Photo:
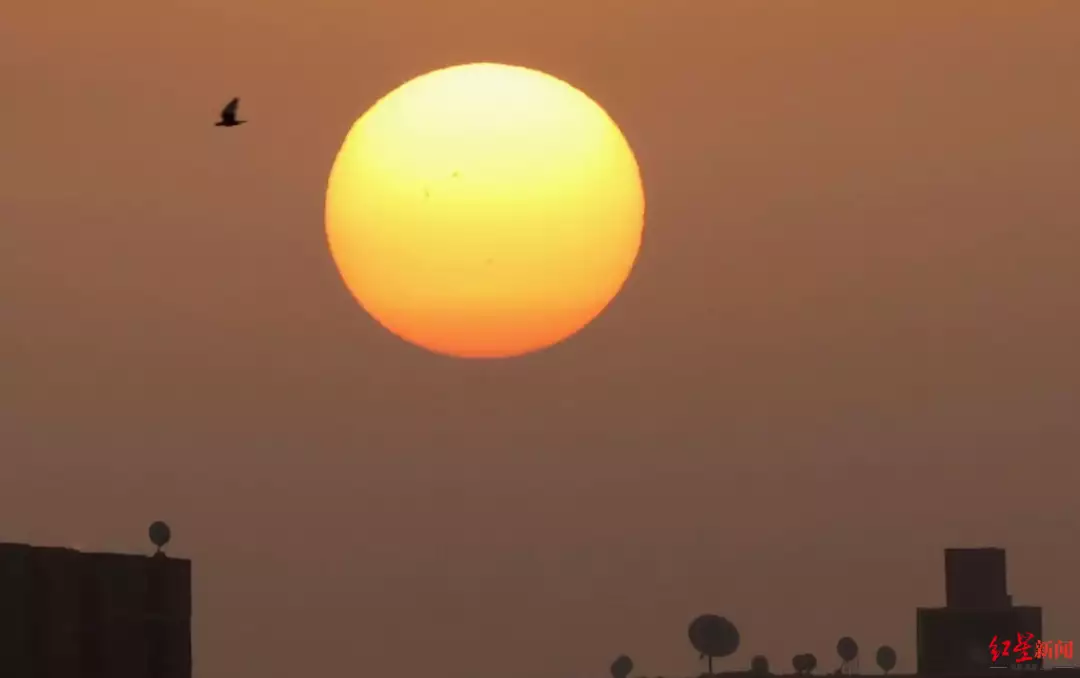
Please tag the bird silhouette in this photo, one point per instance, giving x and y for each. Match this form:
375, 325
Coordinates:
228, 115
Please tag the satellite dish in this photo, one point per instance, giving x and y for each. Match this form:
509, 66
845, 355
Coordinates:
800, 663
160, 534
713, 636
886, 658
848, 650
622, 666
759, 665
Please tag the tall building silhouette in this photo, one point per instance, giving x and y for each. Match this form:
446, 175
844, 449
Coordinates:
68, 614
978, 608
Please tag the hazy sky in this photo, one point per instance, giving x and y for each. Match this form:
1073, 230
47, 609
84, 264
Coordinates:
849, 341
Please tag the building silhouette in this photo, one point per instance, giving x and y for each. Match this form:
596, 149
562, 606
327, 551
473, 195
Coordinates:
68, 614
957, 638
954, 641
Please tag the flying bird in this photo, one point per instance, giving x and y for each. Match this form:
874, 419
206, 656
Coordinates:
228, 115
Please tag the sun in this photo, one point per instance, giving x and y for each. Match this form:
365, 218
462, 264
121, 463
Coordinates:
485, 211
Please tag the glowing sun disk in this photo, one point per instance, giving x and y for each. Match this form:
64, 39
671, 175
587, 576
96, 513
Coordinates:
484, 210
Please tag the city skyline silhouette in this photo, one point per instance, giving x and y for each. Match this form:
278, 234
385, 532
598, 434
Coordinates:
71, 614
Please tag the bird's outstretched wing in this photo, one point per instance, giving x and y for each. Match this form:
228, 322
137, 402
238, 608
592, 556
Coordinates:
229, 112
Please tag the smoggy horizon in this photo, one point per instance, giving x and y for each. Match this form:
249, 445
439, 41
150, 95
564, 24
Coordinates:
847, 342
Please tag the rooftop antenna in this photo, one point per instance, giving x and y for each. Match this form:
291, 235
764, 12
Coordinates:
160, 535
848, 650
886, 659
759, 666
798, 662
622, 666
713, 636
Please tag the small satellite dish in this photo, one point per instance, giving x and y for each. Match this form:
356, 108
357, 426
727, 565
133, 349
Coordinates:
160, 534
800, 664
713, 636
886, 658
622, 666
848, 650
759, 665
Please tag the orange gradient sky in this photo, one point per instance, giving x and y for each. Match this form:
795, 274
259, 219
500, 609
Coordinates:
849, 339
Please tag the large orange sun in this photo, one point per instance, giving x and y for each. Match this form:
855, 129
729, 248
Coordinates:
485, 210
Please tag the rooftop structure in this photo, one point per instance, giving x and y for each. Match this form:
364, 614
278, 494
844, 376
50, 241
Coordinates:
69, 614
